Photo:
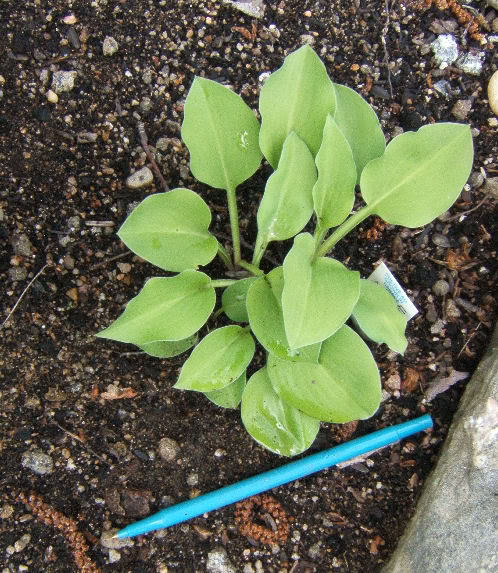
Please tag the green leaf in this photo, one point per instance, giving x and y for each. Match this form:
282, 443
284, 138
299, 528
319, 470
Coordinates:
273, 423
297, 97
318, 295
287, 202
229, 396
218, 360
170, 308
420, 175
169, 348
343, 386
233, 300
266, 319
360, 126
378, 316
221, 133
170, 230
333, 193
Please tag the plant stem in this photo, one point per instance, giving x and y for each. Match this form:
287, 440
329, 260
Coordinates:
234, 223
344, 229
253, 269
221, 283
259, 250
319, 234
225, 257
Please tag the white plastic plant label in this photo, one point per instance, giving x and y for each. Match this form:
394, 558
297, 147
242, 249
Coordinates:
383, 276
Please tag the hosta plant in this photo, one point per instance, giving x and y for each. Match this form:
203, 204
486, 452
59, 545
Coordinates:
324, 142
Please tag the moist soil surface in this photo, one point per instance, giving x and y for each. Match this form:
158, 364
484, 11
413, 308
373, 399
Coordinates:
98, 410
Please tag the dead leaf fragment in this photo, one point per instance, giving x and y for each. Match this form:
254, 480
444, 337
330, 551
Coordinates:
439, 385
115, 393
374, 544
411, 380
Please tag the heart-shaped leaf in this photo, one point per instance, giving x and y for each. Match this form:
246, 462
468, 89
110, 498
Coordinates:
233, 300
168, 348
266, 319
229, 396
343, 386
333, 193
170, 308
420, 175
273, 423
318, 295
287, 202
218, 360
377, 315
170, 230
297, 97
360, 126
221, 133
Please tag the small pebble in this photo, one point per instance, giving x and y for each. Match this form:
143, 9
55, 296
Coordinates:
6, 511
70, 19
441, 288
476, 180
445, 50
452, 311
21, 245
470, 63
109, 46
491, 187
493, 93
63, 81
38, 462
22, 543
114, 556
218, 562
108, 540
254, 8
168, 449
441, 240
52, 97
139, 179
17, 274
461, 109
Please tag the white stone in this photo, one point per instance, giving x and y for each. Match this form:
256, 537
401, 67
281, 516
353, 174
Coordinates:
141, 178
109, 46
445, 50
254, 8
108, 540
70, 19
63, 81
493, 93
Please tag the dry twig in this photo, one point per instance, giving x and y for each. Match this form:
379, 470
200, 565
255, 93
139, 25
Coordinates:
145, 144
22, 295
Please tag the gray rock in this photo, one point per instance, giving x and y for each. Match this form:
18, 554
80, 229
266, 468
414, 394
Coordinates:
22, 245
443, 87
441, 240
492, 3
109, 46
461, 109
470, 63
476, 180
17, 274
254, 8
491, 187
445, 50
63, 81
141, 178
38, 462
441, 288
168, 449
454, 526
218, 562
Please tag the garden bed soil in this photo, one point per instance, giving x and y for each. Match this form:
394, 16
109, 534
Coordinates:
98, 409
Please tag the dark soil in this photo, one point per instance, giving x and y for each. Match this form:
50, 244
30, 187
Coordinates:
54, 187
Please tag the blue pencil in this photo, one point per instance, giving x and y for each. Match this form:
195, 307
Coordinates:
273, 478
